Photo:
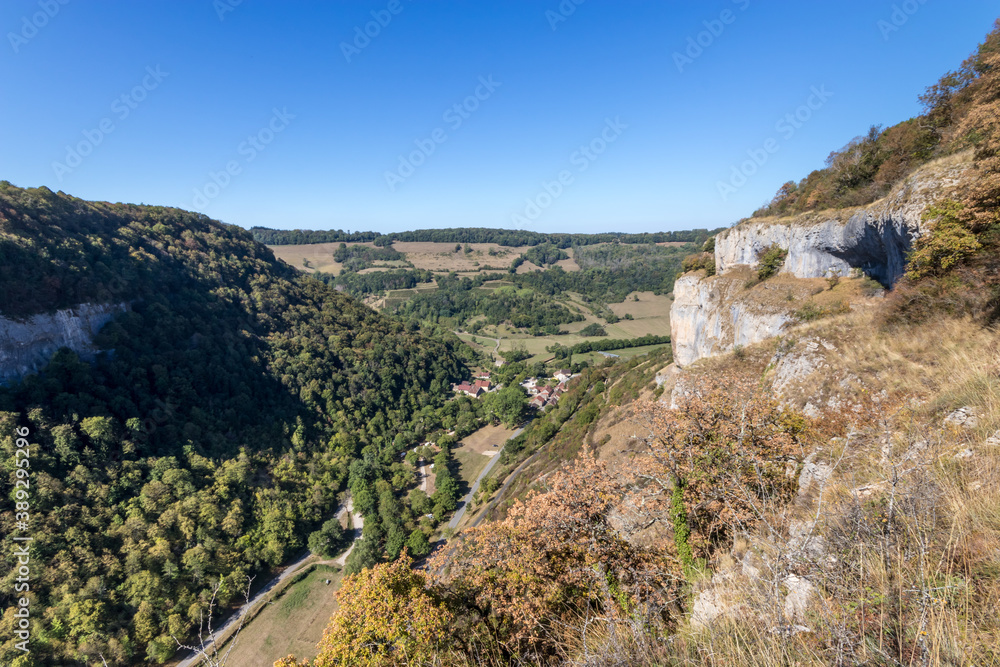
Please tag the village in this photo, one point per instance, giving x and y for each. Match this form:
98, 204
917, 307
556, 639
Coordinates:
542, 392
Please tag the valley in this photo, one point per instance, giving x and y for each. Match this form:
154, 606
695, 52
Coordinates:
770, 442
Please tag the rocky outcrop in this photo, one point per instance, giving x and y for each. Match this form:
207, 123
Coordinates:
26, 346
875, 243
711, 316
874, 239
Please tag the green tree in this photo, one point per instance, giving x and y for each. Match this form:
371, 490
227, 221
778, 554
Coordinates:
328, 540
507, 406
387, 616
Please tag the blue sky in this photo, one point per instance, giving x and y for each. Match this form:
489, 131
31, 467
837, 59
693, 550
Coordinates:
256, 113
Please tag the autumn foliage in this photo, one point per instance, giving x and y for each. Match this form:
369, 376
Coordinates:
590, 549
562, 555
387, 616
724, 453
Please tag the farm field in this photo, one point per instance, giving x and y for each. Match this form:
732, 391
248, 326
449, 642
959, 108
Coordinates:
470, 454
292, 623
442, 258
319, 256
651, 313
437, 257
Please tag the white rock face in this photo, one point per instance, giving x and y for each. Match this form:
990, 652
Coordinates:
963, 417
874, 243
25, 347
713, 316
874, 238
801, 593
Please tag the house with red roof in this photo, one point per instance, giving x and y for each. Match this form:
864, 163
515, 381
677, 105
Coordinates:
468, 389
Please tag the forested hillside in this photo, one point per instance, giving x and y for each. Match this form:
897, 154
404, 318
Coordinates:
503, 237
213, 433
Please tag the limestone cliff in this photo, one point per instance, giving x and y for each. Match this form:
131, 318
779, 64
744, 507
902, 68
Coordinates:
713, 315
710, 316
874, 239
26, 346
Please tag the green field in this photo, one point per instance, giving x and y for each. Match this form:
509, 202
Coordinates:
651, 315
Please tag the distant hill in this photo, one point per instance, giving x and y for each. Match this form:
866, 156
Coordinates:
503, 237
211, 434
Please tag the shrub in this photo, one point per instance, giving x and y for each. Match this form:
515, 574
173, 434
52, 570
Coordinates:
770, 262
699, 261
810, 311
949, 242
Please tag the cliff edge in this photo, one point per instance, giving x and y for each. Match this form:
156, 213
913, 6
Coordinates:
712, 315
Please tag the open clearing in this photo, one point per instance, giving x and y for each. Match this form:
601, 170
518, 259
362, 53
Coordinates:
469, 454
437, 257
488, 438
292, 623
651, 315
319, 256
441, 257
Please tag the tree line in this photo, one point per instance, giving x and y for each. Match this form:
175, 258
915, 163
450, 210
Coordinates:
501, 237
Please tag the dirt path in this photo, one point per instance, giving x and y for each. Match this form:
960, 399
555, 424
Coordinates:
496, 350
358, 523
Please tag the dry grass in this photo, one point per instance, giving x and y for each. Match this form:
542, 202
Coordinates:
319, 255
442, 258
292, 623
909, 521
487, 439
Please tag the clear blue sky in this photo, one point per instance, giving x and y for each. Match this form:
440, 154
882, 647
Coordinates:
221, 80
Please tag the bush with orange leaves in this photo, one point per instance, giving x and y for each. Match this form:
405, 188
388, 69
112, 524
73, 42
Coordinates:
558, 561
387, 616
719, 460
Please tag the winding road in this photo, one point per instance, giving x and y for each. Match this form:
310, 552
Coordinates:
496, 350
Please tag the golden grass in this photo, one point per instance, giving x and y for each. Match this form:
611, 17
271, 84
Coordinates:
911, 572
292, 623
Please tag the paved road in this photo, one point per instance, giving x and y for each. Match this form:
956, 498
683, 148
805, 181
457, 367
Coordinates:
231, 624
475, 485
